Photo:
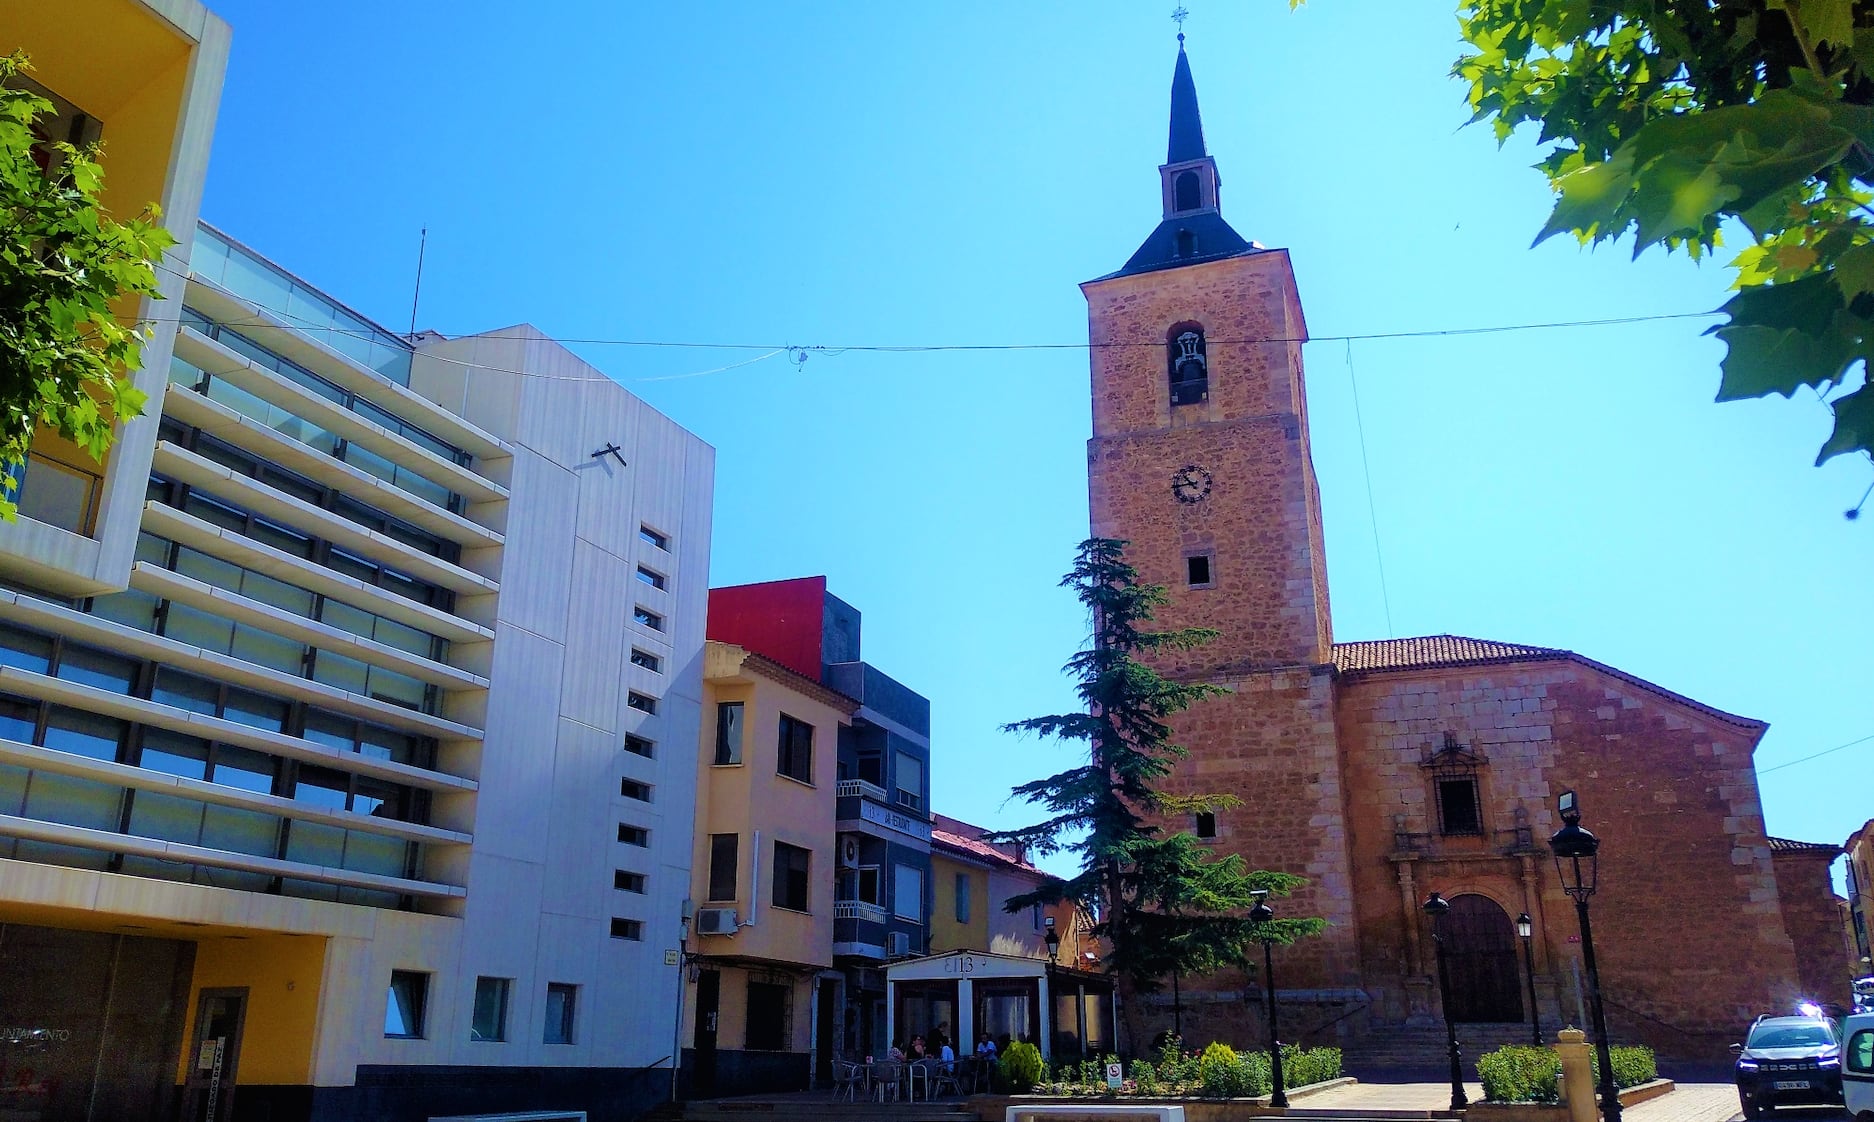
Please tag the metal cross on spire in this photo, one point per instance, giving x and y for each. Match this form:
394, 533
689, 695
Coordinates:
1178, 15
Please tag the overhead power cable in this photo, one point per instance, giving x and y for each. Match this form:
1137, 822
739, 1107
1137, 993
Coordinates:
1762, 771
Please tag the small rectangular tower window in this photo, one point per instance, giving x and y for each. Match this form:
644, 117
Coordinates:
634, 835
632, 789
648, 618
1206, 824
628, 882
632, 929
1197, 571
647, 660
653, 537
640, 746
643, 703
651, 577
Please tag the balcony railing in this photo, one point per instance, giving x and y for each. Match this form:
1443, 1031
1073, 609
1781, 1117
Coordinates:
859, 788
858, 909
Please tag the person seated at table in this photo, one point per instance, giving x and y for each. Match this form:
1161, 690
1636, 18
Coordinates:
918, 1051
946, 1053
986, 1047
898, 1053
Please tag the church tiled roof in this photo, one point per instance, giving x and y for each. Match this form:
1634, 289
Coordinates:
1433, 650
1791, 845
1425, 652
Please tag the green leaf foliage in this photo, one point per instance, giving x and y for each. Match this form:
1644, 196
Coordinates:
1020, 1066
1521, 1073
1675, 122
1164, 905
67, 272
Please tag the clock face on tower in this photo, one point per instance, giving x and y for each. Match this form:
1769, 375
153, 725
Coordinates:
1190, 484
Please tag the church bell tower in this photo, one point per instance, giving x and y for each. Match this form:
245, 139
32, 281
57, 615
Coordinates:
1200, 459
1200, 454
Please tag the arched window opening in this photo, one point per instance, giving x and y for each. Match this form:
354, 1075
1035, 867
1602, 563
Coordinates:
1188, 365
1187, 244
1185, 192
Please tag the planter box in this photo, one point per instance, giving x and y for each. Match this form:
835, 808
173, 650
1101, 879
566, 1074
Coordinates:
994, 1108
1557, 1112
1642, 1092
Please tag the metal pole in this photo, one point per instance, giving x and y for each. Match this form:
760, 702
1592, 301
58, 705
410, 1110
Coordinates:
1610, 1095
1279, 1097
1535, 1021
1459, 1100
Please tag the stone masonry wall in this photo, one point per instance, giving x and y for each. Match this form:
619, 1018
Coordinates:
1813, 915
1688, 929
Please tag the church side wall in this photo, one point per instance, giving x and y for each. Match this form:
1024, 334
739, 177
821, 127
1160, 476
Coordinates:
1813, 914
1688, 929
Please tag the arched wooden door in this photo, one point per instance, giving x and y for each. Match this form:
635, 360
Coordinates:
1480, 955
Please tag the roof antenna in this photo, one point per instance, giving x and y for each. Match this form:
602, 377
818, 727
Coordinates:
1178, 16
418, 294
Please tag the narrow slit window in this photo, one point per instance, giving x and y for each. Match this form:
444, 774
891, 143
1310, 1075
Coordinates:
648, 618
661, 541
1197, 571
1206, 824
642, 702
647, 660
632, 789
631, 929
651, 577
634, 835
1188, 365
640, 746
628, 882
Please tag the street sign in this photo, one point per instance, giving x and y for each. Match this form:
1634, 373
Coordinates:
670, 958
1115, 1075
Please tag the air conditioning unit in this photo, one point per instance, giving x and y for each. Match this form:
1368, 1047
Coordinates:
849, 852
715, 921
898, 944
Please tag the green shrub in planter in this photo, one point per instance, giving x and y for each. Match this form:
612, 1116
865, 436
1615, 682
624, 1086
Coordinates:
1256, 1078
1632, 1066
1302, 1066
1021, 1066
1145, 1077
1221, 1073
1520, 1073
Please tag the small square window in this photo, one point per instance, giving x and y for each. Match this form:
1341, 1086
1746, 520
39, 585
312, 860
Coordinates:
651, 577
490, 1019
404, 1007
640, 746
561, 999
627, 929
642, 702
628, 882
647, 660
634, 835
648, 618
1197, 570
653, 537
1206, 824
632, 789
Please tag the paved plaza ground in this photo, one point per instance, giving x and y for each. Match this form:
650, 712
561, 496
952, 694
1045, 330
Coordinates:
1689, 1102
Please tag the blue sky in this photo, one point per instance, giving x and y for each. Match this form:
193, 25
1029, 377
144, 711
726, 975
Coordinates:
846, 174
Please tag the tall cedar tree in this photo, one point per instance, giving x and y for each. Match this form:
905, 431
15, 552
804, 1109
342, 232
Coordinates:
1163, 905
66, 269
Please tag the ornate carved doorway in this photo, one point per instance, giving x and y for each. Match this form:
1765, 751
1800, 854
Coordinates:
1480, 953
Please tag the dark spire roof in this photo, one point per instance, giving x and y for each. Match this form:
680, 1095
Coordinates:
1187, 128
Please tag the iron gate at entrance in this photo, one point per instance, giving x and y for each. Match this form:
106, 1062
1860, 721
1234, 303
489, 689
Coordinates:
1480, 954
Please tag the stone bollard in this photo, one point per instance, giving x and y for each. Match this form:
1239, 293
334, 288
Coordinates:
1571, 1044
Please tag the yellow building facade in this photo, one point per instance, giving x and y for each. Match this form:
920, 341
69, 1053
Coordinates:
760, 985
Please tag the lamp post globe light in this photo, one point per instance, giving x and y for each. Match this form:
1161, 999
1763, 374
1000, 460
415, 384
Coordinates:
1261, 914
1525, 930
1577, 865
1053, 940
1437, 907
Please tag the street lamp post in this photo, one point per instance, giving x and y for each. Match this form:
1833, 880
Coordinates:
1526, 930
1053, 939
1577, 865
1260, 914
1437, 907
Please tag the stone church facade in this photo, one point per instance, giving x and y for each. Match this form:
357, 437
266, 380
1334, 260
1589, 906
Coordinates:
1385, 770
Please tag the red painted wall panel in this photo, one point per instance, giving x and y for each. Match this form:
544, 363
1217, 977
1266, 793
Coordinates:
781, 619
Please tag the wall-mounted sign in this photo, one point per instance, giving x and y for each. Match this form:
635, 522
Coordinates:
877, 815
961, 964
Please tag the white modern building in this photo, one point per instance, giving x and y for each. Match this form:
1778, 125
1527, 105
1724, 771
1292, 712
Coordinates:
364, 786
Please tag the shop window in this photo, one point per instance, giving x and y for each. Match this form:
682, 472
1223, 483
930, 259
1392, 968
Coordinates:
404, 1008
770, 1016
490, 1019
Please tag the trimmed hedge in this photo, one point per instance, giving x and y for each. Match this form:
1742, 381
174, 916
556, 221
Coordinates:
1021, 1066
1218, 1072
1522, 1073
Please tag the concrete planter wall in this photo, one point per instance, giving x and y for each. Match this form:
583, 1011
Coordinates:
994, 1108
1557, 1112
